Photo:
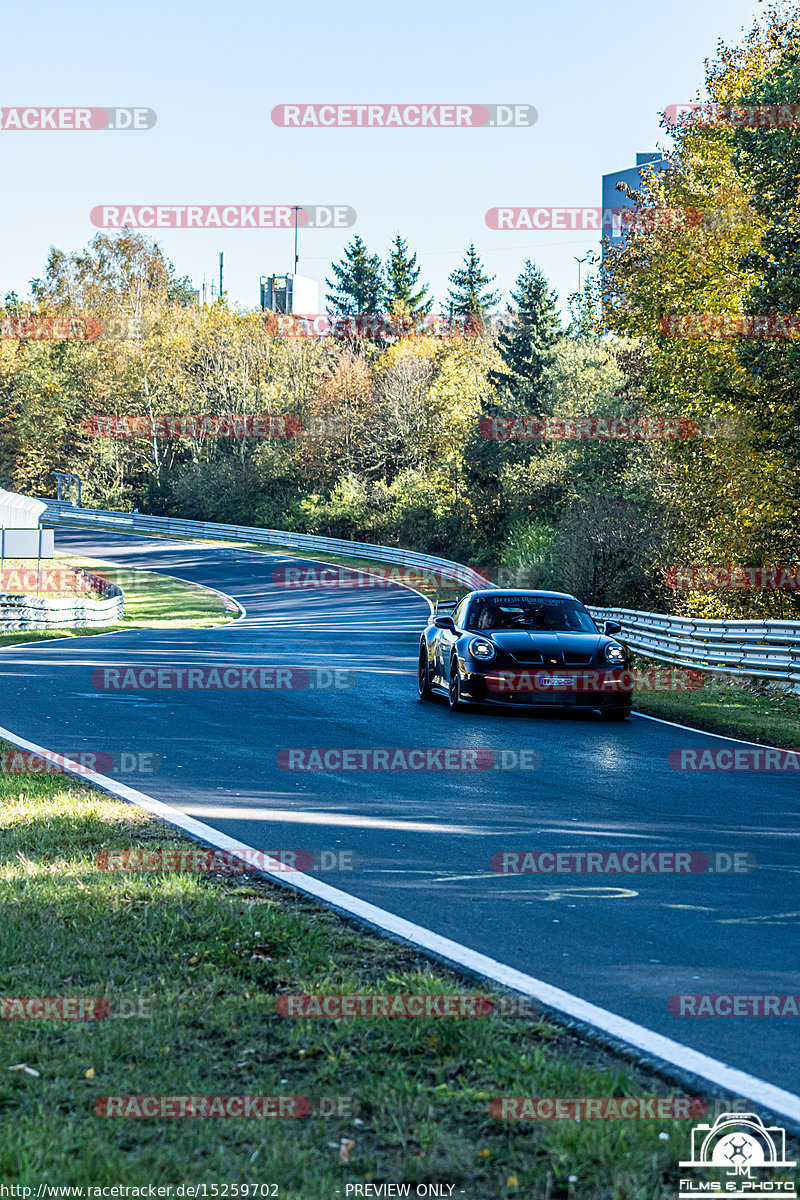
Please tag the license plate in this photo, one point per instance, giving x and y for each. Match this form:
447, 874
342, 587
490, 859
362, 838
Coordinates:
555, 681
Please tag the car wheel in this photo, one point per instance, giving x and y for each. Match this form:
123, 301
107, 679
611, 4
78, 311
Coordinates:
423, 678
615, 714
454, 687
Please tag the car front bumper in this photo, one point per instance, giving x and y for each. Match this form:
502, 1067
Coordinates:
557, 688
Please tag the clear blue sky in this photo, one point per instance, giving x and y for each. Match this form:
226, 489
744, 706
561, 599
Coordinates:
598, 74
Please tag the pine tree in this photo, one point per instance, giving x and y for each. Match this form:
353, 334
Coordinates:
469, 296
526, 346
358, 284
402, 274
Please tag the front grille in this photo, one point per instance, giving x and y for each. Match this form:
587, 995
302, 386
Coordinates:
577, 660
528, 658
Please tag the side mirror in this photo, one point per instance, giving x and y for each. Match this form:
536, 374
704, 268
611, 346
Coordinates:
445, 623
613, 627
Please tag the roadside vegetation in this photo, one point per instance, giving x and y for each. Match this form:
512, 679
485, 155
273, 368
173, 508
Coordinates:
411, 437
191, 966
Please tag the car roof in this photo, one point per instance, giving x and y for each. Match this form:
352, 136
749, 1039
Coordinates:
532, 592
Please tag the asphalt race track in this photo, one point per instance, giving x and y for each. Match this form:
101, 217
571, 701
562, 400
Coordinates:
425, 839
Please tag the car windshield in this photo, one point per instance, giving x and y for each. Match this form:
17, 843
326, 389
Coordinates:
531, 613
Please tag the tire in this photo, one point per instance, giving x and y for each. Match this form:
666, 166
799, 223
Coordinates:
423, 676
615, 714
454, 688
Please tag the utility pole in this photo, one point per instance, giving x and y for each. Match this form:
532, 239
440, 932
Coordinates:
578, 261
220, 274
295, 209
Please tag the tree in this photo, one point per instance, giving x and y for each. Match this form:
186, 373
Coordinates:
732, 497
526, 347
468, 295
358, 285
402, 274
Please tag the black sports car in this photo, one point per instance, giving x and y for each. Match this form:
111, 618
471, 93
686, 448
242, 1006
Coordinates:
525, 648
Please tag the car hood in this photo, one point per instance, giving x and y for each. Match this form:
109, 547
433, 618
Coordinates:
546, 646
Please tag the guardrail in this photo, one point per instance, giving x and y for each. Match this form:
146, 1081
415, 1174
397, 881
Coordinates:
761, 649
764, 649
21, 610
60, 512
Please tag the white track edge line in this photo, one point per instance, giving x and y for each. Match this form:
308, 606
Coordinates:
739, 1083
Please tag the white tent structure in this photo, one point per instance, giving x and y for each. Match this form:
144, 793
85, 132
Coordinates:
20, 535
20, 512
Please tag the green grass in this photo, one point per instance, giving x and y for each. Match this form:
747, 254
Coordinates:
206, 957
152, 601
738, 708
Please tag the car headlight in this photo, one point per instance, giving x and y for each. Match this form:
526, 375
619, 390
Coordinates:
615, 654
481, 649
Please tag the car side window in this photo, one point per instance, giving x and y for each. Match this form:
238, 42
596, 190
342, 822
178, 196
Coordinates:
458, 615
